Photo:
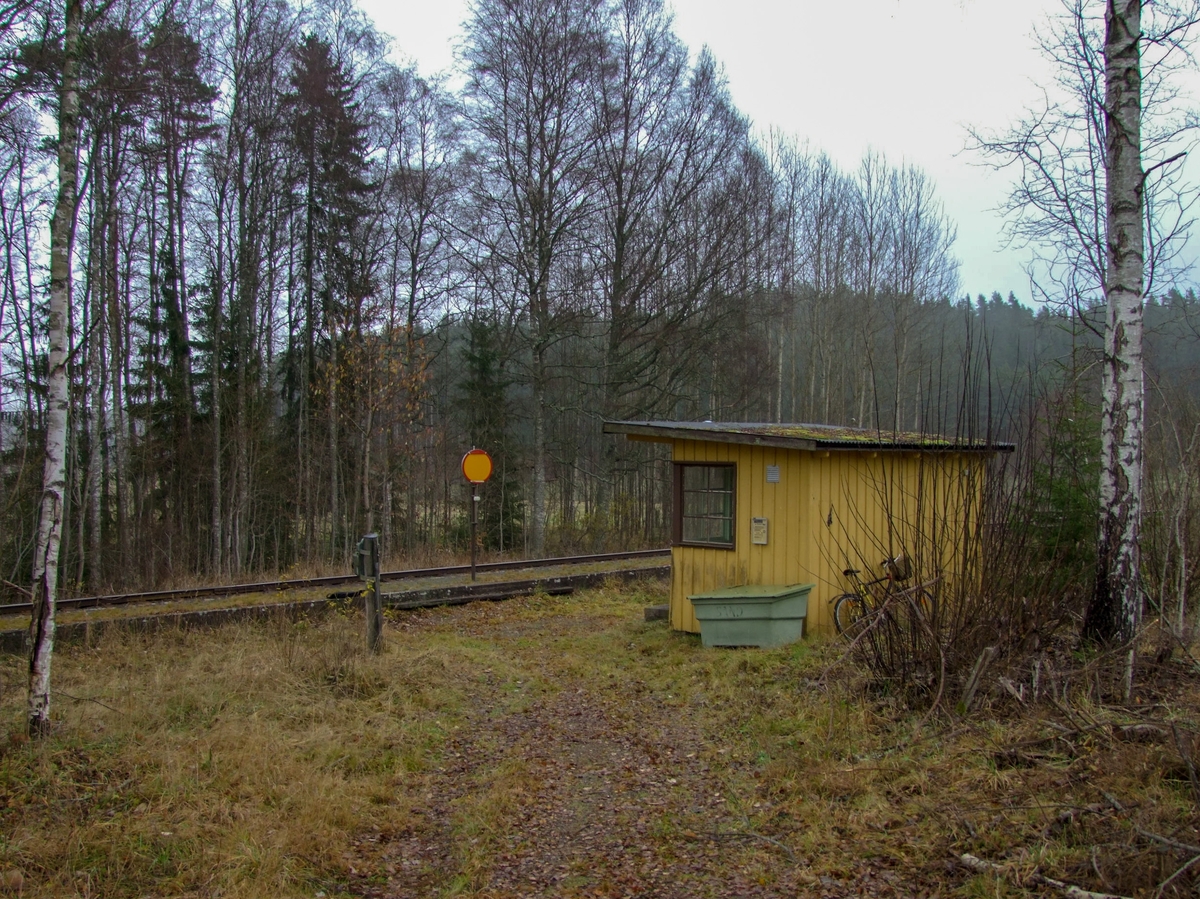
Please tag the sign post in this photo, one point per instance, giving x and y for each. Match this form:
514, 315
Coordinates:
476, 468
366, 566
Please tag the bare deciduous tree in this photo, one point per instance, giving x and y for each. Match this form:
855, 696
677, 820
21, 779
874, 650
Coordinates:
1106, 225
50, 525
1116, 605
532, 102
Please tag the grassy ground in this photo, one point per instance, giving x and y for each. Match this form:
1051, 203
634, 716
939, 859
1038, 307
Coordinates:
566, 747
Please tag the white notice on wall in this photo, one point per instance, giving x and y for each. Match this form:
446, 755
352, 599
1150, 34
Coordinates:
758, 531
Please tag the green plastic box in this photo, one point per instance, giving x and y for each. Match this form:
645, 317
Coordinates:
752, 615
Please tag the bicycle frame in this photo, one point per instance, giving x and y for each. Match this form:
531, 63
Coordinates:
864, 588
873, 596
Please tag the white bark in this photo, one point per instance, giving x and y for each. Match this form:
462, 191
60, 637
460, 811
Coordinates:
50, 525
1115, 609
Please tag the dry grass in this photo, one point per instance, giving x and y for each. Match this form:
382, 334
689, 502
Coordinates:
563, 746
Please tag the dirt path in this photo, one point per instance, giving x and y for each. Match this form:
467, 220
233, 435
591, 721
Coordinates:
590, 801
567, 786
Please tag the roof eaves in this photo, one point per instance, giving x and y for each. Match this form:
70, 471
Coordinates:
667, 432
663, 433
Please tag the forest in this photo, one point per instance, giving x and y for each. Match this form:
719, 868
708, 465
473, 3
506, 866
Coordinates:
307, 279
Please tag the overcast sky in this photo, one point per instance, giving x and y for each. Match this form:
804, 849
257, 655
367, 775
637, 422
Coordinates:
905, 77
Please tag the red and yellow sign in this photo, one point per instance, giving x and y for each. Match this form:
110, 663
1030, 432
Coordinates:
477, 466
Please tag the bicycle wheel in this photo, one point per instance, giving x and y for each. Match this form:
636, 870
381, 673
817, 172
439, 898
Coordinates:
848, 611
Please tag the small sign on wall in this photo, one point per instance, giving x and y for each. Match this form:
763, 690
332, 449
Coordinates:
758, 531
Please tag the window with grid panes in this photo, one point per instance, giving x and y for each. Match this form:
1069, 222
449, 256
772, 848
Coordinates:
704, 501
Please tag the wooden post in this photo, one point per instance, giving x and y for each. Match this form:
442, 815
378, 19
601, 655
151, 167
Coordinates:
374, 616
368, 569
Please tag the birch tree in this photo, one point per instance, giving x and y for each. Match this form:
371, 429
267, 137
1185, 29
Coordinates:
1116, 604
668, 134
1099, 197
50, 524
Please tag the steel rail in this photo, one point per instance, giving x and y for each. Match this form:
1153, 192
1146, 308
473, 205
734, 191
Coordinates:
120, 599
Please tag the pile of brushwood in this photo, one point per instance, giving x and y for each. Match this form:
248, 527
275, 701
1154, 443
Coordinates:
983, 635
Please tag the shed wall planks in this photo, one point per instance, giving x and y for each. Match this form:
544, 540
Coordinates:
830, 510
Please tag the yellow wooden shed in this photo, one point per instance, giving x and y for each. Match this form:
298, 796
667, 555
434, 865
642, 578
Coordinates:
778, 504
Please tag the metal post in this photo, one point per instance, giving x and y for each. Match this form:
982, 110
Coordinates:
474, 522
476, 468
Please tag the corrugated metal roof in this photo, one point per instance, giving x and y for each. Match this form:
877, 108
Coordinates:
799, 436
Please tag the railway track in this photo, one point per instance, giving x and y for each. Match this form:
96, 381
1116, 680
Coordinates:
157, 596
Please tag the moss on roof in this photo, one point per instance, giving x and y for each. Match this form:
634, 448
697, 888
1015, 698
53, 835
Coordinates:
828, 433
800, 433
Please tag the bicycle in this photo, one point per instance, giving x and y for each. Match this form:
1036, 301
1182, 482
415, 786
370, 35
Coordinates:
852, 612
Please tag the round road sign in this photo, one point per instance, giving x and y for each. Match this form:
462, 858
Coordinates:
477, 466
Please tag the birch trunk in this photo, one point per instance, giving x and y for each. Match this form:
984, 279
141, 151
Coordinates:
50, 524
1115, 609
